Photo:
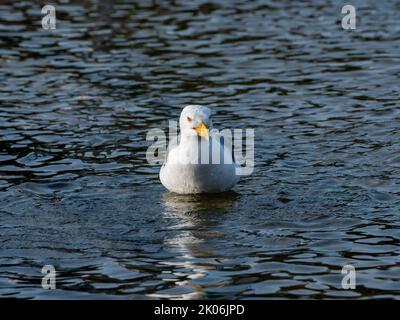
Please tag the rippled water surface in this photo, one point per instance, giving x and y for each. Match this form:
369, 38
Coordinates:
76, 191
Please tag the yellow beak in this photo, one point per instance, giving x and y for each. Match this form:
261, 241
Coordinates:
202, 130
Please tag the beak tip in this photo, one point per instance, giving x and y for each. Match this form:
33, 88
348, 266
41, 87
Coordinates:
202, 131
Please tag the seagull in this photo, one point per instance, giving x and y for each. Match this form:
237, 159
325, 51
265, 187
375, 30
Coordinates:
202, 162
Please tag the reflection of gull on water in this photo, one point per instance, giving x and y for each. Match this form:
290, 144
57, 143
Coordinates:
197, 220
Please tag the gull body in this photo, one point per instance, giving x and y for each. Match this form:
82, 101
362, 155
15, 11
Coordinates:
200, 163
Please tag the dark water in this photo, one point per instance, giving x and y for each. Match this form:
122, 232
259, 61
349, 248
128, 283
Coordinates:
76, 190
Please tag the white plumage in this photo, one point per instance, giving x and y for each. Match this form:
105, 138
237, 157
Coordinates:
192, 166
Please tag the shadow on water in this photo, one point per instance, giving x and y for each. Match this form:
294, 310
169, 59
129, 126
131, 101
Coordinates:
189, 206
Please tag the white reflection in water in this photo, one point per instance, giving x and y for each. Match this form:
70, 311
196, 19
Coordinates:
198, 218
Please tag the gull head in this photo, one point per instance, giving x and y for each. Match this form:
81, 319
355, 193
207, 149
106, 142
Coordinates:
195, 121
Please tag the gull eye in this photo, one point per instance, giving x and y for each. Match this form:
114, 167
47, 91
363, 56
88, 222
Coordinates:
189, 119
